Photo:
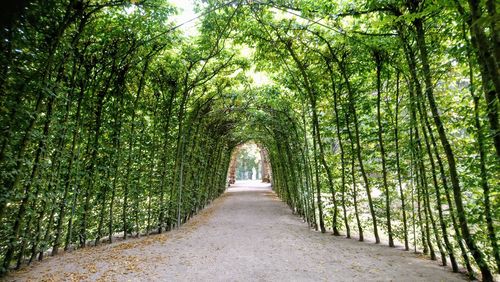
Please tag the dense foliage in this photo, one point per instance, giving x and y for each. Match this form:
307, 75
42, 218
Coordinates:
380, 120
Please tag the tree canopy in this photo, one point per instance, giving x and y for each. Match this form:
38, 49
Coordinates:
380, 119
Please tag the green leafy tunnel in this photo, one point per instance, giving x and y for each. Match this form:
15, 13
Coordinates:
380, 119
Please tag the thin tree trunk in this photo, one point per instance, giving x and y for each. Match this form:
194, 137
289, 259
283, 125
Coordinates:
342, 153
92, 164
27, 188
481, 149
67, 176
379, 62
353, 176
423, 237
398, 166
318, 185
488, 56
457, 192
116, 157
47, 232
327, 170
352, 108
449, 247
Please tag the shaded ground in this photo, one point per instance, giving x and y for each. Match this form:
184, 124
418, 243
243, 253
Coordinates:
246, 235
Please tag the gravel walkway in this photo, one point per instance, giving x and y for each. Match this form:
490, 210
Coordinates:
248, 234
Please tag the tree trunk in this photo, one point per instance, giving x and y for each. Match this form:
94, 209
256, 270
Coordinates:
27, 188
342, 153
353, 176
398, 166
379, 62
352, 109
471, 244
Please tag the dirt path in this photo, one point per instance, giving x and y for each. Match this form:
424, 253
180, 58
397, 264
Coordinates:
246, 235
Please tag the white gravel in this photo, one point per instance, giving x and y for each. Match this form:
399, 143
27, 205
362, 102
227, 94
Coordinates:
248, 234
